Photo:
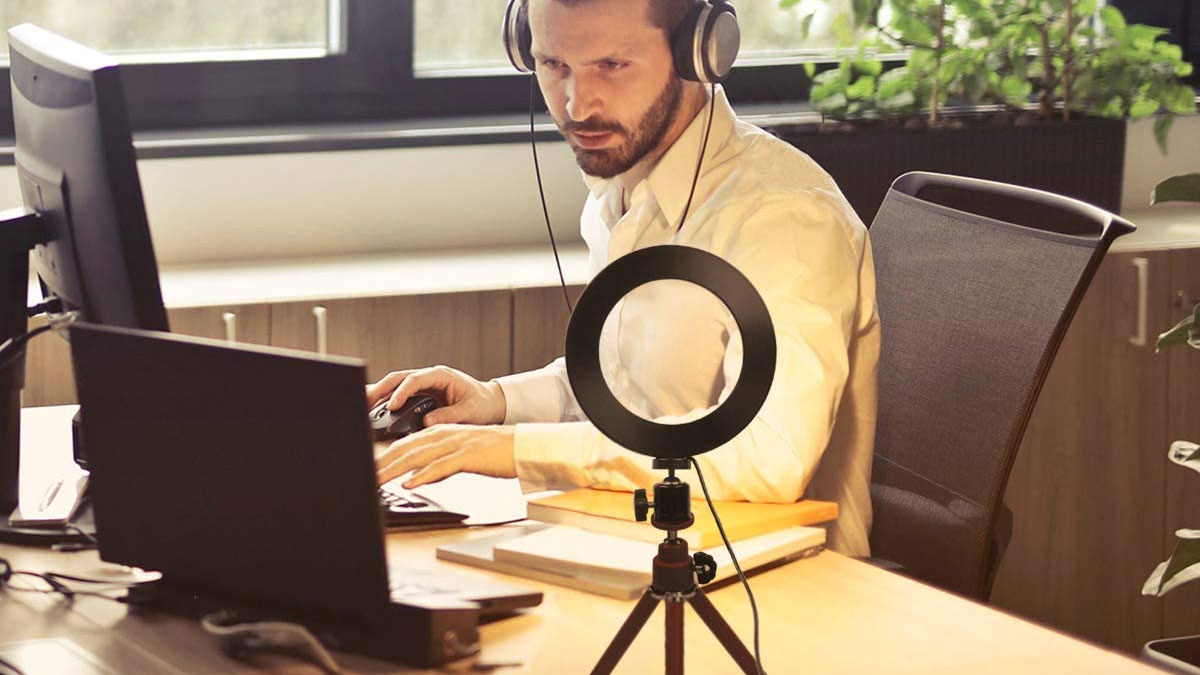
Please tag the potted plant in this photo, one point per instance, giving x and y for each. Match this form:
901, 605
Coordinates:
1034, 93
1183, 566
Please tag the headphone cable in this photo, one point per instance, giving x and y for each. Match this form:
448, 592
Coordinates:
712, 99
741, 575
541, 192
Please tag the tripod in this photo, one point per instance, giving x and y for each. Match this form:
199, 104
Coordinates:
674, 581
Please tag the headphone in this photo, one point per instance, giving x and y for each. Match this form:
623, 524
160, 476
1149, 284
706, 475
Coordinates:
704, 45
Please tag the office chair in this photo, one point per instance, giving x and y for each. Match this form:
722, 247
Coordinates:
977, 282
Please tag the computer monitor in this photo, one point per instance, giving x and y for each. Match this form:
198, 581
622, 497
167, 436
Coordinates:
83, 214
76, 166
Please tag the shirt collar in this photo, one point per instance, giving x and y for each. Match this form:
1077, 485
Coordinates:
671, 179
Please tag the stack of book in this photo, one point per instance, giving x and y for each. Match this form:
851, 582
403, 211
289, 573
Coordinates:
589, 540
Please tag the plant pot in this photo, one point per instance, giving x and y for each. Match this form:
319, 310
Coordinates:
1181, 654
1084, 158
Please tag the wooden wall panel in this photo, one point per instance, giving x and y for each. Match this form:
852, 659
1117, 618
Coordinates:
468, 331
1087, 486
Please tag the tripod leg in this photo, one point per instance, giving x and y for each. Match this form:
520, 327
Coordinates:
725, 635
624, 637
674, 637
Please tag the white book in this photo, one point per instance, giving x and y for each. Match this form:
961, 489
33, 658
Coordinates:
608, 565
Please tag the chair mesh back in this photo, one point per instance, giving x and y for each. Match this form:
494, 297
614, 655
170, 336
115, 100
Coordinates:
972, 309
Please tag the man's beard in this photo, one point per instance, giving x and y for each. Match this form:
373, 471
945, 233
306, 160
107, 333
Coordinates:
609, 162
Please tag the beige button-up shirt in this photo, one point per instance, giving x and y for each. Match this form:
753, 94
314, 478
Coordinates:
670, 350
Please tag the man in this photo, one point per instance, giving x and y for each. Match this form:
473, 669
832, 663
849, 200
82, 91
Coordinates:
671, 349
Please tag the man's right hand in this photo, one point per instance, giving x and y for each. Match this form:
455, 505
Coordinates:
464, 399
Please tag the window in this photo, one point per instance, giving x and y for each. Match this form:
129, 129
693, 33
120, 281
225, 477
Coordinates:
191, 64
184, 30
464, 35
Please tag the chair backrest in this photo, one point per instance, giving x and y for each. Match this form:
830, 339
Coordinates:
977, 282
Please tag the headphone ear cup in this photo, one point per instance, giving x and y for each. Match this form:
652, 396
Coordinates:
518, 39
706, 42
683, 43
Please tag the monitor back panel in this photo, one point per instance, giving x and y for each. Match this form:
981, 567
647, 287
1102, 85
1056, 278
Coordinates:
241, 471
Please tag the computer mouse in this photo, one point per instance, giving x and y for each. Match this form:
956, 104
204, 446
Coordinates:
388, 424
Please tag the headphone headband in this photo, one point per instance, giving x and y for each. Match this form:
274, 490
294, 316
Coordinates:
704, 45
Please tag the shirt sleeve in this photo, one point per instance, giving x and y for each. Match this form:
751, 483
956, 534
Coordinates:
542, 395
804, 257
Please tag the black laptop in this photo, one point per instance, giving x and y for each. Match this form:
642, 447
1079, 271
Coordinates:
246, 474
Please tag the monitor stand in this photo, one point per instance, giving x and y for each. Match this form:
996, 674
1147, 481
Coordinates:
21, 229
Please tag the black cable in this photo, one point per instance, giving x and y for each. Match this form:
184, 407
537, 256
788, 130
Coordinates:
736, 566
712, 103
12, 347
84, 533
541, 191
12, 667
52, 305
52, 579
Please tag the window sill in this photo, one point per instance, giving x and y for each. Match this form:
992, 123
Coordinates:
480, 130
365, 276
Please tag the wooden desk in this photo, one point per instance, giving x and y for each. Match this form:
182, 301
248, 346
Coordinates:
826, 614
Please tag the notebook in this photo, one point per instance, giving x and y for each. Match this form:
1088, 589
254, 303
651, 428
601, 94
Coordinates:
246, 475
614, 566
609, 512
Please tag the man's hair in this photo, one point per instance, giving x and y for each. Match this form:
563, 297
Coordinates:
666, 14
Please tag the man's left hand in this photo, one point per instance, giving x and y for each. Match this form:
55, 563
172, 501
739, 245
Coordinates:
446, 449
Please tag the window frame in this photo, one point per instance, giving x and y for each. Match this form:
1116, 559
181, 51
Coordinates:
372, 80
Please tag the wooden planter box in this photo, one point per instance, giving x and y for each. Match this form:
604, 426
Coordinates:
1084, 159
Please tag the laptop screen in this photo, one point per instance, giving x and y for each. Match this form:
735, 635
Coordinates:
239, 471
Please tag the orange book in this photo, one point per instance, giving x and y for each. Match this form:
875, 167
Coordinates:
611, 513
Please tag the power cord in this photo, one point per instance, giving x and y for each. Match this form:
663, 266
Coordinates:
239, 637
542, 192
55, 581
736, 566
12, 348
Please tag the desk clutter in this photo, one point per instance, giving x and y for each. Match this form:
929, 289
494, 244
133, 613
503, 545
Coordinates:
589, 540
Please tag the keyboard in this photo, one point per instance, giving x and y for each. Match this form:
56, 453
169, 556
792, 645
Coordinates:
403, 507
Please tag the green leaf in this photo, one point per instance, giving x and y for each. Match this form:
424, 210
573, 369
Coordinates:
833, 105
1162, 129
788, 4
870, 67
1182, 99
810, 69
1185, 454
863, 88
914, 30
863, 9
1143, 37
1142, 107
1180, 334
1016, 90
1169, 51
893, 83
1185, 556
1114, 107
843, 29
919, 60
806, 23
1184, 188
904, 100
1114, 21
